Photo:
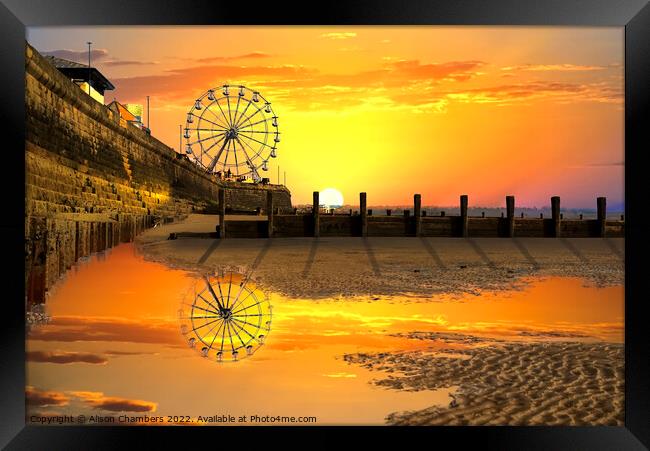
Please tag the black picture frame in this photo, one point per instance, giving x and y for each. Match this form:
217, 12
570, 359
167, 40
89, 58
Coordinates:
634, 15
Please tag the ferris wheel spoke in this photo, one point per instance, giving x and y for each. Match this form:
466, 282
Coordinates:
255, 123
210, 304
225, 160
229, 288
246, 316
229, 113
215, 143
210, 331
222, 112
223, 337
216, 157
201, 118
250, 293
248, 158
216, 117
243, 113
232, 346
209, 129
214, 295
205, 324
220, 290
214, 337
257, 326
248, 118
253, 139
242, 284
234, 117
232, 323
205, 310
252, 115
260, 131
243, 329
235, 153
205, 139
246, 308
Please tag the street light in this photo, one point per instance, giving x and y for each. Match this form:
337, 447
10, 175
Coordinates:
88, 66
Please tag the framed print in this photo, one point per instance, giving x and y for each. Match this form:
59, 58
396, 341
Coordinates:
374, 214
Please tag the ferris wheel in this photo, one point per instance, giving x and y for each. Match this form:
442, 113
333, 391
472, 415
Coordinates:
233, 131
229, 317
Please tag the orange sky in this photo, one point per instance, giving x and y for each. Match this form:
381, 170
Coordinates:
442, 111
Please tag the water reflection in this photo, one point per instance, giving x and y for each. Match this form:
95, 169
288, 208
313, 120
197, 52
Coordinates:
226, 315
113, 345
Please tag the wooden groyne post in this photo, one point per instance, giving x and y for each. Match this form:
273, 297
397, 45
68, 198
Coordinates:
510, 213
555, 214
222, 213
464, 223
269, 213
417, 212
363, 209
316, 215
601, 214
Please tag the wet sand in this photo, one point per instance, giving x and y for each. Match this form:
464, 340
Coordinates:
507, 383
417, 267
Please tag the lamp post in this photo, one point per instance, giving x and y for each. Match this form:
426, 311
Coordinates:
88, 66
149, 128
180, 138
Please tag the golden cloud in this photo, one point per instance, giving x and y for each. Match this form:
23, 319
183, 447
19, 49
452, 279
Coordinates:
561, 92
62, 357
338, 36
553, 67
99, 401
36, 397
251, 55
73, 329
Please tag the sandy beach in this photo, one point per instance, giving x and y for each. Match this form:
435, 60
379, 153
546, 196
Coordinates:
524, 384
417, 267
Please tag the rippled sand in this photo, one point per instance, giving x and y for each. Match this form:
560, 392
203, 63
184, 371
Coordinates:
505, 383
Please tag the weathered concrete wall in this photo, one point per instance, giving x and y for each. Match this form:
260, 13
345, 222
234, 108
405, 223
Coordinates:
81, 159
246, 197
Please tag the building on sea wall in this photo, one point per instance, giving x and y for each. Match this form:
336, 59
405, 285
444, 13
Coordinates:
89, 79
126, 114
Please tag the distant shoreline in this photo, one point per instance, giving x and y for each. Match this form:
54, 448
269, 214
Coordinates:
435, 210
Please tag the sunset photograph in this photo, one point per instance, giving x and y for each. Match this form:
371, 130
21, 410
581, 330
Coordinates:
310, 225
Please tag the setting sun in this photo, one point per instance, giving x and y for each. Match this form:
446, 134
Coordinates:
331, 197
